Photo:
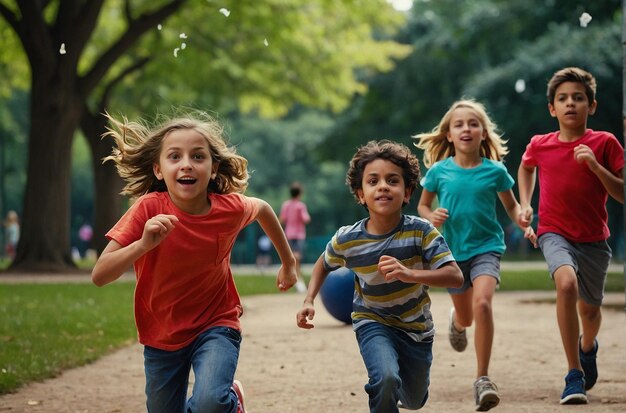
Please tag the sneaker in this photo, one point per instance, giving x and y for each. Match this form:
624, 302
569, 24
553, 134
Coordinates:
238, 388
588, 361
301, 286
485, 394
574, 392
458, 339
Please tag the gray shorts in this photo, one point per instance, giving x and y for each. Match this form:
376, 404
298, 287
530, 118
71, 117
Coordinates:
297, 245
482, 264
590, 261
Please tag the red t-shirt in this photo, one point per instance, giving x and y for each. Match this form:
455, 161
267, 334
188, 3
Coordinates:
185, 284
572, 200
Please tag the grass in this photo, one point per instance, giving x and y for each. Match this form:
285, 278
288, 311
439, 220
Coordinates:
47, 328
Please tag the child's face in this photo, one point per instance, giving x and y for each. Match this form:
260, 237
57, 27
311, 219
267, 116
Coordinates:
571, 106
186, 166
466, 131
383, 190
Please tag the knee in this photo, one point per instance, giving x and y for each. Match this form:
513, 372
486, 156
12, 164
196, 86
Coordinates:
209, 403
590, 313
568, 288
386, 382
482, 307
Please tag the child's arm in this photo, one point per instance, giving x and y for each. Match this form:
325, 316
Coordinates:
287, 274
514, 211
614, 184
424, 209
526, 176
115, 259
447, 276
307, 312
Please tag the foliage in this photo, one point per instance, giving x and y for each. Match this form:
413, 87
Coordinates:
481, 49
256, 56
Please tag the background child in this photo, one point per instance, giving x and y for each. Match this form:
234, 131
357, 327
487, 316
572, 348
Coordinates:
395, 258
464, 153
579, 167
295, 216
12, 233
179, 234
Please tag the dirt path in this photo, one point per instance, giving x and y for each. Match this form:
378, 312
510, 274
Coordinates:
288, 370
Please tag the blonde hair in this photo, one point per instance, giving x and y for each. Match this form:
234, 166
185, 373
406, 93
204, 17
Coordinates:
138, 148
437, 147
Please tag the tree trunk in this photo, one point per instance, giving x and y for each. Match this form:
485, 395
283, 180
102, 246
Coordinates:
108, 203
44, 243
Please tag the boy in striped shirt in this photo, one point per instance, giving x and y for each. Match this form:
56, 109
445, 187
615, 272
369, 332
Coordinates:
395, 258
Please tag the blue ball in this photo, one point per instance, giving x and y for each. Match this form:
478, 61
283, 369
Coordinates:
337, 294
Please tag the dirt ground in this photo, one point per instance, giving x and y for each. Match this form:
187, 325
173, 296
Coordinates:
288, 370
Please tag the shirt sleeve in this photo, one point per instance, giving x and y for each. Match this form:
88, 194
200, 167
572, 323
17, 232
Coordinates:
435, 250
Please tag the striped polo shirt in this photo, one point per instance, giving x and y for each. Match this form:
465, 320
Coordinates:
418, 245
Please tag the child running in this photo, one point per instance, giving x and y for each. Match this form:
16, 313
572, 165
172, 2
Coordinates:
395, 258
464, 154
179, 233
578, 169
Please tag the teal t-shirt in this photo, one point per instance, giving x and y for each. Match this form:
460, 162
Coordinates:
470, 196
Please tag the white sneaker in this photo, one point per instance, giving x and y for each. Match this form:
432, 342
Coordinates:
239, 391
300, 286
458, 339
486, 394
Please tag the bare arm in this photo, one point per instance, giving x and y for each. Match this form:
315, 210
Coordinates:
448, 275
307, 312
614, 184
514, 211
526, 176
424, 209
115, 259
287, 274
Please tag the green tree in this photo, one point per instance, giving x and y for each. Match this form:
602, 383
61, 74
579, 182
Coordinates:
264, 57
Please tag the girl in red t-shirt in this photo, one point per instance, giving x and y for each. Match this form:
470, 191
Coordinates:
189, 207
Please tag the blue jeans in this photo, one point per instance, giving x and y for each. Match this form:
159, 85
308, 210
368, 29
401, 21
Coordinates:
213, 355
398, 368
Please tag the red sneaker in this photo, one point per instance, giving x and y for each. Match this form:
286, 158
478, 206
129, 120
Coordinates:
240, 398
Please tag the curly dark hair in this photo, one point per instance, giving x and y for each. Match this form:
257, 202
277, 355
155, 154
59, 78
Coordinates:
394, 152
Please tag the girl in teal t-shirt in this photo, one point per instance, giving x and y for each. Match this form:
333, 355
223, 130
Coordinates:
464, 154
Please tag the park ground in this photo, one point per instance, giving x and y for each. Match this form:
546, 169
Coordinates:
288, 370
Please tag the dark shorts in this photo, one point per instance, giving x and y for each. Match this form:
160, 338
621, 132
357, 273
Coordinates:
590, 261
297, 245
482, 264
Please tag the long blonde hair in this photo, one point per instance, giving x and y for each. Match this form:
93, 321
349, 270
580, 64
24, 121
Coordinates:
138, 148
435, 143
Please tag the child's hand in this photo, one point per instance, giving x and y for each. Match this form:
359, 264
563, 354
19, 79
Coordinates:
305, 315
525, 217
287, 277
582, 153
156, 229
438, 217
529, 234
392, 269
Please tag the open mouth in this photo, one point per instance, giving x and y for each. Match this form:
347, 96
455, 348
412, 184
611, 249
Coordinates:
186, 181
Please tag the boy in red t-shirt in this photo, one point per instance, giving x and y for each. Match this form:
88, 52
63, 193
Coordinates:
579, 168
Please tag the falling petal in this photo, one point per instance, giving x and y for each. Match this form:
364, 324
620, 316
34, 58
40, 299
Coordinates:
520, 85
182, 36
266, 43
225, 11
176, 52
182, 46
159, 27
62, 49
585, 18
